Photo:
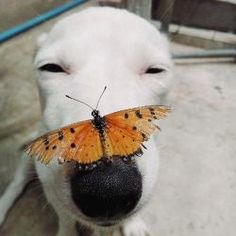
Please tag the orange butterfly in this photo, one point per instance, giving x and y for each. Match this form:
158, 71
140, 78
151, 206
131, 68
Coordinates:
119, 134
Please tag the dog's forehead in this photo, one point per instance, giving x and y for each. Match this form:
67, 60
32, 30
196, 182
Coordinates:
102, 23
97, 28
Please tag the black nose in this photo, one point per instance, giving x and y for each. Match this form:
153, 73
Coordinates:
110, 191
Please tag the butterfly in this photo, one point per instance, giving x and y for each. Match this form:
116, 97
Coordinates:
118, 134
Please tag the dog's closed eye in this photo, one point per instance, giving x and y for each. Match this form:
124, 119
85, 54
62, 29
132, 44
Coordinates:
51, 67
154, 70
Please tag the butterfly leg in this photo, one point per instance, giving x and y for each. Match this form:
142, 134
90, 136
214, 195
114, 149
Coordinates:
135, 227
16, 187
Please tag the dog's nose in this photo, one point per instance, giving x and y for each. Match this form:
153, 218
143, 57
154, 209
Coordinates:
110, 191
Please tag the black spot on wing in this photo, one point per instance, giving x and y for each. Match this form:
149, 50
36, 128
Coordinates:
60, 135
73, 145
143, 146
152, 111
72, 130
144, 136
126, 115
45, 140
138, 114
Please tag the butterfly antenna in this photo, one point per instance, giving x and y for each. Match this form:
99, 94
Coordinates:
100, 97
77, 100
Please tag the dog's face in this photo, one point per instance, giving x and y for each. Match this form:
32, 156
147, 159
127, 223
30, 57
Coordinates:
81, 54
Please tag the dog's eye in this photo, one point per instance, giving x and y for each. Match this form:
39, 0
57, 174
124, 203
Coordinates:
52, 68
154, 70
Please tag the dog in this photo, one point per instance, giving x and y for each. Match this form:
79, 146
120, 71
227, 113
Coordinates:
83, 53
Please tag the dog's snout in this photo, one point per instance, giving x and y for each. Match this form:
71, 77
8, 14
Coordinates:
108, 192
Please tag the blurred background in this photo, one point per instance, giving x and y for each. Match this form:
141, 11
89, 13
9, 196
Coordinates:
196, 192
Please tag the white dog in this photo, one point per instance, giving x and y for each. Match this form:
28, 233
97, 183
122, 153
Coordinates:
83, 53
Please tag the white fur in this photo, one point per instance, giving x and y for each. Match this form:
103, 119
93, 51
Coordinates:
97, 47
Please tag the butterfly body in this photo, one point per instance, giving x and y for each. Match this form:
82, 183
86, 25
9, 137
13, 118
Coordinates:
98, 121
119, 134
99, 124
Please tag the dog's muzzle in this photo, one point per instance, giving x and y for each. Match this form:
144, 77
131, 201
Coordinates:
109, 192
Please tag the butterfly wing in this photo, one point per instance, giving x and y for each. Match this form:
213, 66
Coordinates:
79, 142
126, 130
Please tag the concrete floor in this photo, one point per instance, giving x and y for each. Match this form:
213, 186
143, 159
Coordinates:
196, 191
